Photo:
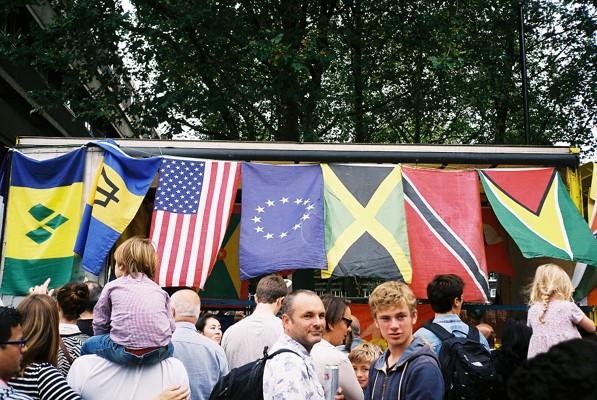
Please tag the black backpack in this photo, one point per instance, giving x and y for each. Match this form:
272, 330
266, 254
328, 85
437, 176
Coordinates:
246, 381
467, 366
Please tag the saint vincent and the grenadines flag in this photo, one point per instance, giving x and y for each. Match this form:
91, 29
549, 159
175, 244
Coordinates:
365, 224
43, 216
536, 210
120, 186
445, 232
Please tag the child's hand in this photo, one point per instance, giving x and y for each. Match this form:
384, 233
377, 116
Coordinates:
175, 393
42, 289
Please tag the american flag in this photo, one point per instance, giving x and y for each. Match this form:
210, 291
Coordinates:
192, 209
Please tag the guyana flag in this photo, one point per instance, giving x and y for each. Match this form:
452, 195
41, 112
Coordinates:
224, 281
43, 217
535, 208
365, 224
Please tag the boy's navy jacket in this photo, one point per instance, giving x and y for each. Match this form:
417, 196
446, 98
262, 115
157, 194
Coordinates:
422, 375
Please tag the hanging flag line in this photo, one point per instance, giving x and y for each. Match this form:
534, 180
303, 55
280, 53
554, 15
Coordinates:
185, 273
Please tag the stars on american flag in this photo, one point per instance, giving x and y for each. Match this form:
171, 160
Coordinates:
270, 207
179, 188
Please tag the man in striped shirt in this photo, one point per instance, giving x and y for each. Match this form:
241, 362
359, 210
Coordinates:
12, 347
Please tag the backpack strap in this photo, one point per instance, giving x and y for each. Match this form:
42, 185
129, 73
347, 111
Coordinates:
275, 353
438, 330
473, 333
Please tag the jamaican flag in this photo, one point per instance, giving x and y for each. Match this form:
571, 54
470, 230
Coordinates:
365, 224
535, 208
43, 217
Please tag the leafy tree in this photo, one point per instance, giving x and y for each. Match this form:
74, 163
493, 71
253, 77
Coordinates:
330, 70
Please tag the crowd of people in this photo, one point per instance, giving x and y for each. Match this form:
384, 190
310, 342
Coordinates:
130, 340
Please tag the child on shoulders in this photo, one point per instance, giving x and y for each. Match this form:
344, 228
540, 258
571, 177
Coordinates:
132, 317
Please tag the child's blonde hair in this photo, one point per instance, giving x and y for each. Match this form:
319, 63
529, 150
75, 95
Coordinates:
136, 255
365, 353
550, 280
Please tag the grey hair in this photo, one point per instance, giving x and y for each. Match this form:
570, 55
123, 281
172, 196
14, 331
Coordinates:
183, 307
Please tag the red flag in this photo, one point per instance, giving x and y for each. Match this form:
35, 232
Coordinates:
498, 259
443, 215
192, 209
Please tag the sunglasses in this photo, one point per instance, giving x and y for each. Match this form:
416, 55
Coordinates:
21, 342
347, 321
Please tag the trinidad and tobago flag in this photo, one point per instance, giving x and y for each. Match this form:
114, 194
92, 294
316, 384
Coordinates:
445, 232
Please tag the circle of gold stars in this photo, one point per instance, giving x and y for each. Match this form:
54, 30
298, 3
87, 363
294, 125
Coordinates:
284, 201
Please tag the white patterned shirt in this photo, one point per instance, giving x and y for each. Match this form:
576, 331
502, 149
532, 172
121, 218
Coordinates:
290, 377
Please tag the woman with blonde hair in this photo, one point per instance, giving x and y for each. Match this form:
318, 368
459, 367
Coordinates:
553, 316
39, 376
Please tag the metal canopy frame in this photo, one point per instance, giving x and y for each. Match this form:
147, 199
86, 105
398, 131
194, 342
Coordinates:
558, 156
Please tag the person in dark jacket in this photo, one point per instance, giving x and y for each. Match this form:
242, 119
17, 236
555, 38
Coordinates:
408, 369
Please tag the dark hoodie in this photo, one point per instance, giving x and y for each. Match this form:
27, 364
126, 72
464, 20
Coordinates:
422, 376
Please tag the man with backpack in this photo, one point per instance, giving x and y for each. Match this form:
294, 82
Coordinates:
291, 375
467, 366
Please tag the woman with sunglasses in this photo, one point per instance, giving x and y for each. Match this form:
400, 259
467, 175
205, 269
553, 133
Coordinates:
337, 327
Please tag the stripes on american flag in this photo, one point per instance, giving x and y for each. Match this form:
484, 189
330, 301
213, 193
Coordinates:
192, 209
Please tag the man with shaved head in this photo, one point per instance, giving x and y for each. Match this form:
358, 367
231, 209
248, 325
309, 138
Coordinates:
203, 359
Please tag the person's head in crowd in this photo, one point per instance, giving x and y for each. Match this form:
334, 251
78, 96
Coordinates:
136, 255
12, 342
210, 327
39, 322
550, 282
303, 317
355, 327
239, 316
566, 371
270, 289
95, 290
186, 306
338, 319
516, 335
444, 292
391, 300
487, 331
361, 358
72, 301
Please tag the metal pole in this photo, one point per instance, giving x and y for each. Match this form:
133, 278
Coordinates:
523, 72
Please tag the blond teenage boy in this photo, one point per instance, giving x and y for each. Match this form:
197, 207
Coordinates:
408, 369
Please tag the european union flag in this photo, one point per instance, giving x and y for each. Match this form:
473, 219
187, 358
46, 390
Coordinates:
120, 186
282, 225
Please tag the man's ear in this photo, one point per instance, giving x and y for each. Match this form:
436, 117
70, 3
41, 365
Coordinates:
376, 324
173, 311
414, 318
279, 301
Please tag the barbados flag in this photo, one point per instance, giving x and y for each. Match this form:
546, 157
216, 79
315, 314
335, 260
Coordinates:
120, 185
42, 219
535, 208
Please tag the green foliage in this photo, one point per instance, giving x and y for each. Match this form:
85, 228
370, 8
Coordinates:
353, 70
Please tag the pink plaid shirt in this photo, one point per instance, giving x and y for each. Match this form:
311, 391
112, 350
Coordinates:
136, 313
